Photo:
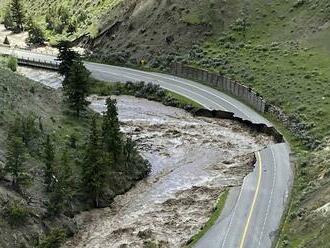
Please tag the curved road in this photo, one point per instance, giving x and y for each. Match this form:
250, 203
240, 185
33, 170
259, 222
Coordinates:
252, 212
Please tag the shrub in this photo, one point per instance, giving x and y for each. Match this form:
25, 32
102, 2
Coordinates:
12, 63
54, 239
16, 213
299, 3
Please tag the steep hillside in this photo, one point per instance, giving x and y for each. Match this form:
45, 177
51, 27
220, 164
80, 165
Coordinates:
143, 30
24, 212
138, 29
34, 213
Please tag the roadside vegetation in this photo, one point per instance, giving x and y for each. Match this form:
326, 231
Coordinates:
141, 89
214, 217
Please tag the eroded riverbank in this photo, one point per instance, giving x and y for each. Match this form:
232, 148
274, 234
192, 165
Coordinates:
193, 160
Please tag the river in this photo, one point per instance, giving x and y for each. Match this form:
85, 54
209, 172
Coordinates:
193, 160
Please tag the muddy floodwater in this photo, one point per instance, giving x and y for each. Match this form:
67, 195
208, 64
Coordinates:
46, 77
193, 161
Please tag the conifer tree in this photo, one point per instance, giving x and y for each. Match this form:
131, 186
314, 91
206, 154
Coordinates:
111, 136
17, 13
8, 19
65, 178
76, 88
67, 57
66, 170
6, 41
36, 34
94, 172
56, 197
15, 158
49, 163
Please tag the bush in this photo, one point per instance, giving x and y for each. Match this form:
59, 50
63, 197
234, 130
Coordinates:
16, 213
54, 239
12, 63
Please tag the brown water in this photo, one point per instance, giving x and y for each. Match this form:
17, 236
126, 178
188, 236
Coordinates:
193, 161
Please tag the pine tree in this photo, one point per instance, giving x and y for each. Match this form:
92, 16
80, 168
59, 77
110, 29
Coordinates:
36, 34
65, 177
6, 41
67, 57
15, 158
66, 170
17, 14
111, 136
8, 21
56, 197
129, 153
61, 185
76, 88
94, 171
49, 163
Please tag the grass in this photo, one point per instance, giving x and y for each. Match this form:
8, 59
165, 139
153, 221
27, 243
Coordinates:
289, 71
110, 88
214, 217
183, 100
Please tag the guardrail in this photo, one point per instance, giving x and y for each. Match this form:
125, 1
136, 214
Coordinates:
38, 63
222, 83
28, 61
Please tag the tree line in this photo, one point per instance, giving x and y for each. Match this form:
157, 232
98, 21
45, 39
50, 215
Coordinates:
72, 172
93, 171
58, 20
16, 20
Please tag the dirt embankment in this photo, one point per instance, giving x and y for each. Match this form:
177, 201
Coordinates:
193, 161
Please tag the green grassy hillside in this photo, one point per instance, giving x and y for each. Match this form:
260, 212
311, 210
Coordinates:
279, 48
282, 50
277, 53
69, 18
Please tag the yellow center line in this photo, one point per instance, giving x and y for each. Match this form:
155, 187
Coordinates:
253, 203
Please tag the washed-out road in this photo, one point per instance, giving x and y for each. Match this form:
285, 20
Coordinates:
252, 213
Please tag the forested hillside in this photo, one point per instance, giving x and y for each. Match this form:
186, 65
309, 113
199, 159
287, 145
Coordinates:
53, 164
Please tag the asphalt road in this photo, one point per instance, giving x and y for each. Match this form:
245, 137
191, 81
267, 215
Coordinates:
252, 212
